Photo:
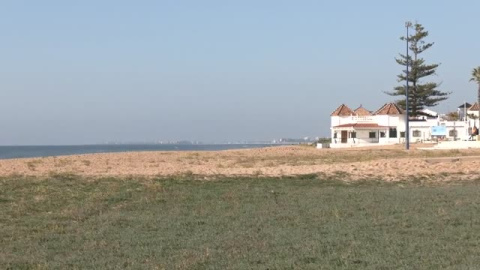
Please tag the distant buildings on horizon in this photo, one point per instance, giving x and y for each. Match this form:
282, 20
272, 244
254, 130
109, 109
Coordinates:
187, 142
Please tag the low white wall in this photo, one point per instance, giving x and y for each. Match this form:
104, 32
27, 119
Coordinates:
457, 145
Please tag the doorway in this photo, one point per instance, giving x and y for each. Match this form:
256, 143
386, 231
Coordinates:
344, 136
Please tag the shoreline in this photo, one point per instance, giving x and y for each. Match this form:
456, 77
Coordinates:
39, 151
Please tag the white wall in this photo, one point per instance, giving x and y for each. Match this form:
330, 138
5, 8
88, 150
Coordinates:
473, 112
397, 121
425, 129
394, 121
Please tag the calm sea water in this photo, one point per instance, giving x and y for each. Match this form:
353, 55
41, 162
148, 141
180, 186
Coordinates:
45, 151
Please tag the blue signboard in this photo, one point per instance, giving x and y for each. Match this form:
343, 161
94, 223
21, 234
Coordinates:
439, 131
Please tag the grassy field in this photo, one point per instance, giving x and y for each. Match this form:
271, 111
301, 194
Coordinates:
65, 222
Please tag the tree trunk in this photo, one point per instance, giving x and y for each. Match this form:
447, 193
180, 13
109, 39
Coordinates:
478, 101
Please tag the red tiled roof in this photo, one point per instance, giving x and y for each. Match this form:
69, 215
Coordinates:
360, 111
361, 125
389, 109
474, 107
343, 110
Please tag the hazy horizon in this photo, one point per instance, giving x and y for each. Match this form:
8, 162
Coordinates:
90, 72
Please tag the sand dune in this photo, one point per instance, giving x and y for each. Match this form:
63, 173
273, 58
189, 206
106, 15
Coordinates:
388, 163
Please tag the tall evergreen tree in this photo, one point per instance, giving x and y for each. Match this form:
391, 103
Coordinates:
476, 78
421, 94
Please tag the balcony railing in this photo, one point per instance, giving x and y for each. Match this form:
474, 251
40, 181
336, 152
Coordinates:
362, 119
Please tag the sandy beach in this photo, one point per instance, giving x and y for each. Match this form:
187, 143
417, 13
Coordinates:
388, 163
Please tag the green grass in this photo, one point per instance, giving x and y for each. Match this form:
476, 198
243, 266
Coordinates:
66, 222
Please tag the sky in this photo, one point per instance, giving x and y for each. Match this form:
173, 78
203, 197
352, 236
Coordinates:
86, 72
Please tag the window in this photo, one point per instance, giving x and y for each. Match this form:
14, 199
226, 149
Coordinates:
417, 133
353, 134
402, 134
452, 133
335, 135
392, 133
372, 135
382, 134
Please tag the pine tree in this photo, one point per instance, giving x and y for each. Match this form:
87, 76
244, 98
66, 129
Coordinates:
476, 78
421, 94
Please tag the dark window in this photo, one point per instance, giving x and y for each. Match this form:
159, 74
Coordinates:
473, 130
417, 133
392, 133
452, 133
372, 135
353, 134
335, 135
402, 134
382, 134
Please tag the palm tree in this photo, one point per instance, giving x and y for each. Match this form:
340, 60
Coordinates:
476, 78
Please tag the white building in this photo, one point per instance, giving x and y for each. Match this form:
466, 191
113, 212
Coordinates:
360, 127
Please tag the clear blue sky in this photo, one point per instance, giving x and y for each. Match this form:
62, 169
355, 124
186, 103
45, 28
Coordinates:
76, 72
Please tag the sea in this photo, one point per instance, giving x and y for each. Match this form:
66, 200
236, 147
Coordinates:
10, 152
